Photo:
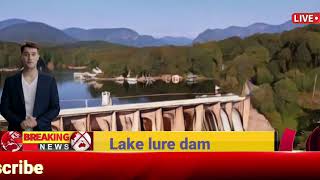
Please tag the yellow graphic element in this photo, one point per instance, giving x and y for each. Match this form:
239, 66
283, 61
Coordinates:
262, 141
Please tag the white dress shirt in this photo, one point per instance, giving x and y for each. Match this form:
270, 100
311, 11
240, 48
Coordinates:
29, 93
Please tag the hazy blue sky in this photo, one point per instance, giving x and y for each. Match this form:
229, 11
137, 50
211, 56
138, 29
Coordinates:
155, 17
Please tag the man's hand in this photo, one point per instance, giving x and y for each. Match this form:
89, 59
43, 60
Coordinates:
28, 123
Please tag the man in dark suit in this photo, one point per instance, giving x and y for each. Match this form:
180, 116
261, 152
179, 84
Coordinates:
30, 99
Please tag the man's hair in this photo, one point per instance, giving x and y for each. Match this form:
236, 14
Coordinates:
29, 45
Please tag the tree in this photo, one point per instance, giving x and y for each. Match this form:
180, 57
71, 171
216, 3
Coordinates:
269, 41
302, 57
263, 75
242, 68
231, 48
286, 89
285, 59
47, 56
93, 63
303, 82
262, 98
205, 59
313, 44
286, 96
258, 54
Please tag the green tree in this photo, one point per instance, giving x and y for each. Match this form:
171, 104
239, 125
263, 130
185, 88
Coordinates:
285, 59
313, 43
286, 96
302, 57
263, 75
231, 48
258, 54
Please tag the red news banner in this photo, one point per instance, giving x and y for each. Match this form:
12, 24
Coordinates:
178, 165
306, 18
217, 165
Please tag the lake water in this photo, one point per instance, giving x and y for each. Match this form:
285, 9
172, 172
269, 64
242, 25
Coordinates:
75, 93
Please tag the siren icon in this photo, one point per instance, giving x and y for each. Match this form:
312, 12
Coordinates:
80, 141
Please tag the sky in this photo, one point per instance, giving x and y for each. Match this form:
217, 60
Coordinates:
158, 18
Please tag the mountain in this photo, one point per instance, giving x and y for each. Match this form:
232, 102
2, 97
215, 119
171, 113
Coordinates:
178, 41
34, 31
220, 34
10, 22
124, 36
19, 30
146, 40
115, 35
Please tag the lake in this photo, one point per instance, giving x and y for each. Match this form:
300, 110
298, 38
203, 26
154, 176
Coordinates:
75, 93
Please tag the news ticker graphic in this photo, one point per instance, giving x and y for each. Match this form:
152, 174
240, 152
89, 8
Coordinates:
187, 165
183, 141
142, 141
306, 18
46, 141
57, 141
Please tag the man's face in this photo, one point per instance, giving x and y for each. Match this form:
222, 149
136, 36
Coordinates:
30, 57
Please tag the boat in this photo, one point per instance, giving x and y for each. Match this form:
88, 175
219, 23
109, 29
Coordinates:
150, 80
166, 78
8, 69
176, 79
83, 75
90, 75
191, 77
71, 67
97, 70
119, 80
131, 80
192, 82
77, 75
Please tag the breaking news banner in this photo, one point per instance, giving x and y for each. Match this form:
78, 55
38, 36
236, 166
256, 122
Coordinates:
46, 141
57, 141
169, 152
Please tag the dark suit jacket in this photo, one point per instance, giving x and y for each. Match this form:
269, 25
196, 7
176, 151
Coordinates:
46, 106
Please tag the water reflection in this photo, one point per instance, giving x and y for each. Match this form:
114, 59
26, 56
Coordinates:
79, 93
